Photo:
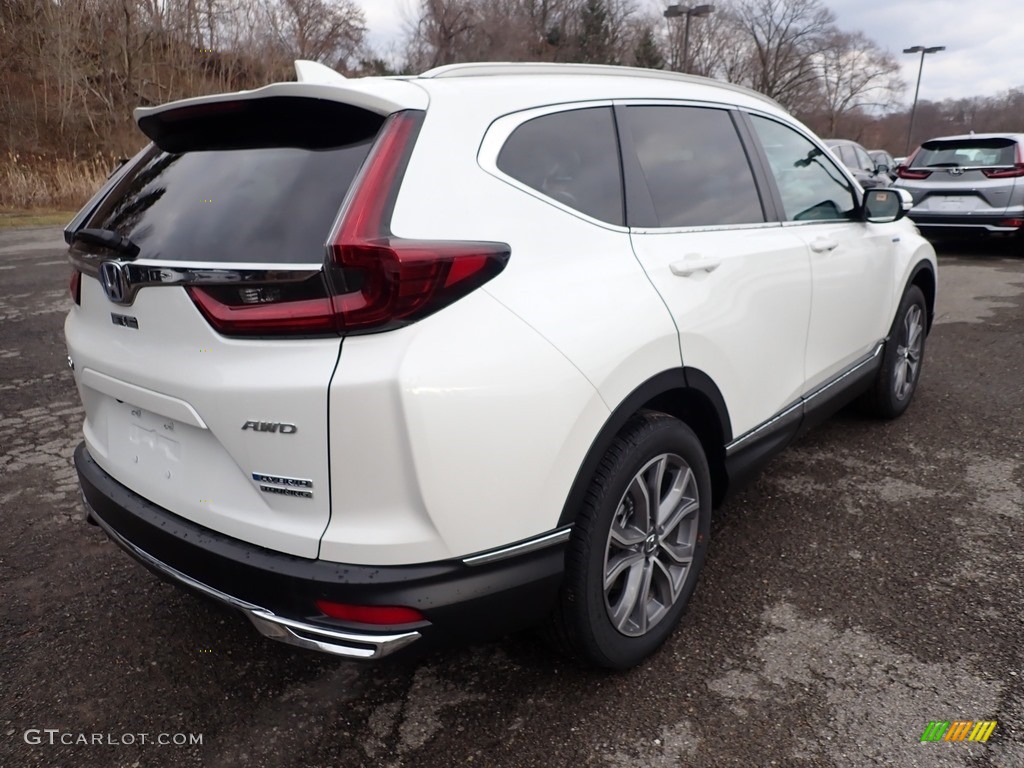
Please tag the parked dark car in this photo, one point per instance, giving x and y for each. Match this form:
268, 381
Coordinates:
884, 162
856, 158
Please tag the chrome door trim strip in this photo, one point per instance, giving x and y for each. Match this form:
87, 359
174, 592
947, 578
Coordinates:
794, 411
782, 418
855, 368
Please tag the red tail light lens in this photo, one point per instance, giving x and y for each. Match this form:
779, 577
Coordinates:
400, 281
374, 281
905, 173
1005, 173
370, 614
75, 286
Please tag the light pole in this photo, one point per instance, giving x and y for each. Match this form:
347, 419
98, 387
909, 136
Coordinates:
674, 12
913, 110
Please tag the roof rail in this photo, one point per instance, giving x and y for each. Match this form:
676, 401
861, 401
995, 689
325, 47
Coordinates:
496, 68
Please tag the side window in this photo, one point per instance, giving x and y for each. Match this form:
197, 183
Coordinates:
863, 161
695, 166
572, 157
812, 187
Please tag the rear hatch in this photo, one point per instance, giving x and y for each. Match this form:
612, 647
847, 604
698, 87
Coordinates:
198, 346
973, 176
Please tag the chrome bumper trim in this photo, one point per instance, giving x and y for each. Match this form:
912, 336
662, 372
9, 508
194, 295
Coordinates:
530, 545
352, 645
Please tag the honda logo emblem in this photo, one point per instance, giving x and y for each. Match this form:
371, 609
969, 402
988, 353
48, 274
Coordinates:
114, 279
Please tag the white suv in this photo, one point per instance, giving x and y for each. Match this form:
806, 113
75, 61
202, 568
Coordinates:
389, 361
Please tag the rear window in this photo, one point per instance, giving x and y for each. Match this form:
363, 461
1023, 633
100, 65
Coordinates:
259, 181
966, 153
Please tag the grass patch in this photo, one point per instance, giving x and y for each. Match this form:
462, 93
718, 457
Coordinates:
11, 219
47, 183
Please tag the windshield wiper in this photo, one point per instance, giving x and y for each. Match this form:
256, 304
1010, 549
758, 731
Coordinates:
107, 238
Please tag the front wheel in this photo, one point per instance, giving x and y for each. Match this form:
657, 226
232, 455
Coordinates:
897, 379
637, 546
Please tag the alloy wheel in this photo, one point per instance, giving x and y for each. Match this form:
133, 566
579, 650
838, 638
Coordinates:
908, 353
651, 544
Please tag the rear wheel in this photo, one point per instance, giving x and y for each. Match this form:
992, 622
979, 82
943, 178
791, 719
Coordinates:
897, 379
638, 545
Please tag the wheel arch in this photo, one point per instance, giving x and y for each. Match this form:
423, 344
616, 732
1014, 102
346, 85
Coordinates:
923, 276
689, 395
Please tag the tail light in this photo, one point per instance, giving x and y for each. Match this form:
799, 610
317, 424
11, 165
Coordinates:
374, 281
905, 173
75, 286
1005, 173
1009, 173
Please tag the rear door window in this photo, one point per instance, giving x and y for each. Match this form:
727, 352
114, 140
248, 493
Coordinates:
241, 182
695, 166
571, 157
811, 185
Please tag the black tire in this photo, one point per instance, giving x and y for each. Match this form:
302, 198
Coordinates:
888, 398
582, 625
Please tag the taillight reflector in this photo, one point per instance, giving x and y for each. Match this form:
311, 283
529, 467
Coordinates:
370, 614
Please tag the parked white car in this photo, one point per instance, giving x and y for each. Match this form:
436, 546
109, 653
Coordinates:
395, 361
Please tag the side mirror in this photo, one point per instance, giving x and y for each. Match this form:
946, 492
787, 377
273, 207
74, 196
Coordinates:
886, 204
881, 168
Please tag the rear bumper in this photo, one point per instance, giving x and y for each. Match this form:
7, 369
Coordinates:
481, 597
964, 224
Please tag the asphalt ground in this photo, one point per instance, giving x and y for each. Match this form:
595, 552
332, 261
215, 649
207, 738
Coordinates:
869, 582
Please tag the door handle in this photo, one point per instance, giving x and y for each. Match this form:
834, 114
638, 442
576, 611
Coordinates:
687, 267
824, 244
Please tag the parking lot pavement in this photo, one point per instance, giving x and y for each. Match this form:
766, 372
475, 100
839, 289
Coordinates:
869, 582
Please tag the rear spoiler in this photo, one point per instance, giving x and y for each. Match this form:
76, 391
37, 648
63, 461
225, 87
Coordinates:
374, 94
382, 96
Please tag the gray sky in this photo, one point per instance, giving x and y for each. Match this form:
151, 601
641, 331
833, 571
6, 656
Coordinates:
984, 39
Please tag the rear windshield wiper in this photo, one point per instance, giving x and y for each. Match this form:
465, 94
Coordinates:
107, 238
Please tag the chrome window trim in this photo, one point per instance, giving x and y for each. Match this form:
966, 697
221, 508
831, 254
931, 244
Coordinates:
154, 272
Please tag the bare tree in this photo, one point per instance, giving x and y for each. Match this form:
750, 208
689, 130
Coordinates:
329, 31
855, 75
787, 37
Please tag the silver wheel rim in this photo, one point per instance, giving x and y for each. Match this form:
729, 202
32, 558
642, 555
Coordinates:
651, 544
908, 353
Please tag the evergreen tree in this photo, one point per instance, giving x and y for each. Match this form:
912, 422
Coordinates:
647, 52
594, 42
